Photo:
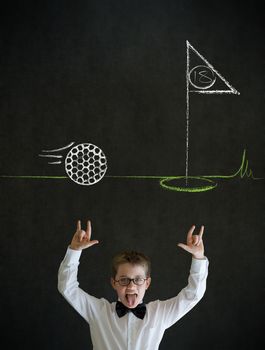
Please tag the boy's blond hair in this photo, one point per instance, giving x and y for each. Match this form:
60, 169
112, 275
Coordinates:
133, 257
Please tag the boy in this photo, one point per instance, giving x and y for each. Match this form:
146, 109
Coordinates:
129, 324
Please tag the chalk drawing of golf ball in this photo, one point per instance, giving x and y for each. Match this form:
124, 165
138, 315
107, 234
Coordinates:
85, 163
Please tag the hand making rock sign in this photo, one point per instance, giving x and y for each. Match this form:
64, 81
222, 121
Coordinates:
194, 244
82, 239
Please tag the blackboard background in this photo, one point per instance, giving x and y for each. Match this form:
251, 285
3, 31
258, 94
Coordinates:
113, 73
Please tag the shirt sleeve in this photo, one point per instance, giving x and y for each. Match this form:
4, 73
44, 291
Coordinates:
175, 308
86, 305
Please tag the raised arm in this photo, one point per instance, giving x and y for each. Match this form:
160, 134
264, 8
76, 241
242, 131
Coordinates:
175, 308
68, 284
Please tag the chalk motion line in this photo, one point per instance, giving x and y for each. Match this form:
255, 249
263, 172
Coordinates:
166, 181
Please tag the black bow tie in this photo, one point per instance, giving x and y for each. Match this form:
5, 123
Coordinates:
139, 311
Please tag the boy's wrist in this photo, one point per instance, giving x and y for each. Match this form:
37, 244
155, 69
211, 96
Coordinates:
74, 247
198, 256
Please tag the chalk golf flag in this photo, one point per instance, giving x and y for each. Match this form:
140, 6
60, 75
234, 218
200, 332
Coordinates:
201, 78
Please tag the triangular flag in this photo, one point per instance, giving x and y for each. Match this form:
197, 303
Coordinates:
203, 78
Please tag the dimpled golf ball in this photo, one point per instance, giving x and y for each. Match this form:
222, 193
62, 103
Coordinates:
85, 164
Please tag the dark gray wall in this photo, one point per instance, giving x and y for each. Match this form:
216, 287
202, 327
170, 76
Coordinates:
113, 73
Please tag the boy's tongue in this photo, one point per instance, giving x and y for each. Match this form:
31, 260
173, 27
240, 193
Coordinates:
131, 298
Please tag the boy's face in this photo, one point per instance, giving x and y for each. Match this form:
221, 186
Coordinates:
130, 295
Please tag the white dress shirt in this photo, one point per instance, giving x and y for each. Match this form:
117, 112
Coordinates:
108, 331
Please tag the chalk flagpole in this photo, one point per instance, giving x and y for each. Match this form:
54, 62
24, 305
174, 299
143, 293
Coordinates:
187, 113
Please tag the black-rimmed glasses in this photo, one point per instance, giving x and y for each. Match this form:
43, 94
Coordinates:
125, 281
